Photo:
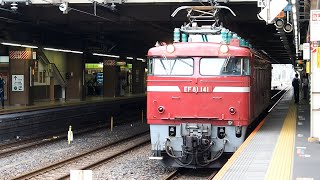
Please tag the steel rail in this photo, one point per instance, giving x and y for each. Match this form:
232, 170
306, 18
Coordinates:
10, 148
63, 163
172, 175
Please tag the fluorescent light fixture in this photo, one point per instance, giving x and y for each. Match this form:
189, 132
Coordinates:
63, 50
105, 55
141, 59
295, 23
27, 46
18, 45
11, 44
264, 52
129, 57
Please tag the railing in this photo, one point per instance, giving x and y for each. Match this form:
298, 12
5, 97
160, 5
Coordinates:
52, 66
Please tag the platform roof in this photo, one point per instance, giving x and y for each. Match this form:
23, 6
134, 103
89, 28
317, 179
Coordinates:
130, 29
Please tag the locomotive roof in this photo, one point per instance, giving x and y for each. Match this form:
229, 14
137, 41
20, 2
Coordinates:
199, 49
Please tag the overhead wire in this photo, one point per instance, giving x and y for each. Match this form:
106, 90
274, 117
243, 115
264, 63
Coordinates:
84, 12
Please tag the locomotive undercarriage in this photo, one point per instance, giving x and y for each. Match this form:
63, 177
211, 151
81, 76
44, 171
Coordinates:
196, 145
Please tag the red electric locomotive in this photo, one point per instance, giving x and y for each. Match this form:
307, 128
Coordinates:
201, 96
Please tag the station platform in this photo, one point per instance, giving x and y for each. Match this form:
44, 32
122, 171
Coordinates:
51, 118
47, 104
278, 149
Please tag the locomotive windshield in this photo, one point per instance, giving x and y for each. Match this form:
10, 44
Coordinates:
172, 67
233, 66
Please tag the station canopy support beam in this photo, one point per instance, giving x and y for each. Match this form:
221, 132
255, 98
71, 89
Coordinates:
126, 1
2, 2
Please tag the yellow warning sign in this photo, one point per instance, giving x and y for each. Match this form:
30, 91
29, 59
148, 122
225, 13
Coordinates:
308, 67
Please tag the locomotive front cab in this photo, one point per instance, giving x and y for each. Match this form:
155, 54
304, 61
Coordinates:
198, 107
201, 88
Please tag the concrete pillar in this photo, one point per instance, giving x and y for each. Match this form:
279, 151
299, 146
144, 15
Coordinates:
19, 80
315, 87
86, 55
138, 77
75, 73
51, 88
111, 83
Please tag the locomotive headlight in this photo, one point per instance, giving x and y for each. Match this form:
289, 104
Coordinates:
170, 48
160, 109
224, 48
232, 110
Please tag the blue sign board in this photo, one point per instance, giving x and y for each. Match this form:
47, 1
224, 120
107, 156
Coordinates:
288, 7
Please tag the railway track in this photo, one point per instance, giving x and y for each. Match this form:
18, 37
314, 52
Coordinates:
88, 160
172, 175
23, 145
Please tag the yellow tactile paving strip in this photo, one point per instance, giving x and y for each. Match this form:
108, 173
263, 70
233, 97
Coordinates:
281, 163
226, 167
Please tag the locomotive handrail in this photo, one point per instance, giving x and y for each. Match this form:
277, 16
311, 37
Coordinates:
169, 80
202, 9
201, 31
205, 81
186, 118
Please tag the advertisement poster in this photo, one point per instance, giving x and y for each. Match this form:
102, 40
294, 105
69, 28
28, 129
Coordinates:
318, 57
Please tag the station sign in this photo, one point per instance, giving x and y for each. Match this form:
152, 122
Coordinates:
121, 63
280, 15
313, 47
288, 7
306, 51
273, 10
17, 82
315, 25
34, 55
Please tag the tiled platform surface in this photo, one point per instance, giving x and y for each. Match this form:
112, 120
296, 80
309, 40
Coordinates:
307, 154
279, 150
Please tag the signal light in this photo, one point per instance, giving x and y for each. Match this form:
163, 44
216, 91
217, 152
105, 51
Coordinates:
279, 23
288, 27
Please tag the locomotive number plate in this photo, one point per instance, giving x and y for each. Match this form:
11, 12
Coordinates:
197, 89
